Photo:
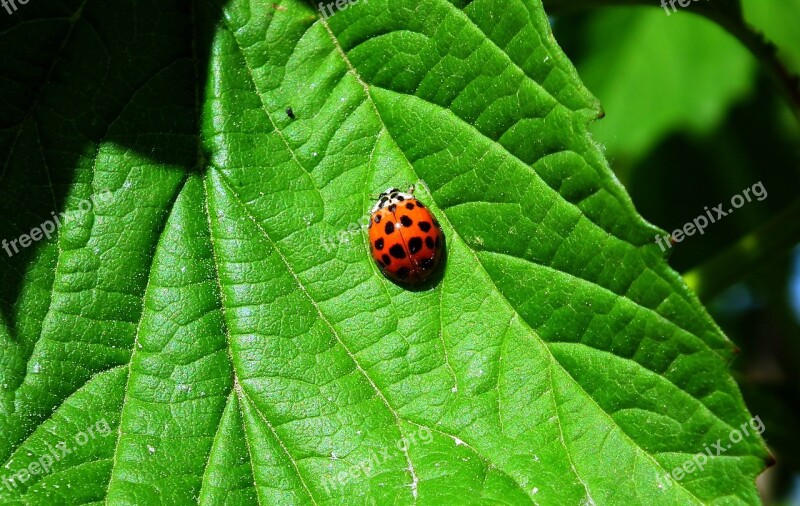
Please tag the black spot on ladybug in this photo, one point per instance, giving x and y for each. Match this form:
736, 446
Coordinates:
402, 272
386, 259
384, 199
397, 251
424, 226
410, 206
400, 198
425, 263
406, 221
290, 112
414, 245
389, 228
420, 204
429, 242
379, 244
393, 195
377, 218
392, 208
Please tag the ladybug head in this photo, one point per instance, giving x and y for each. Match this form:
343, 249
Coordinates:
389, 197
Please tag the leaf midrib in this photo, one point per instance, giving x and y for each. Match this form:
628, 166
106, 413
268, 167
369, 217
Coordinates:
224, 181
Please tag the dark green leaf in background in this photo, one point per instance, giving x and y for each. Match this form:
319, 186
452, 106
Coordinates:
658, 74
191, 302
780, 23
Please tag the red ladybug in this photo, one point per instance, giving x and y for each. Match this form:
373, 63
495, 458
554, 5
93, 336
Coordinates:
405, 239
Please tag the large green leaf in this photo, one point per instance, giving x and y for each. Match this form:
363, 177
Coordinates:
204, 328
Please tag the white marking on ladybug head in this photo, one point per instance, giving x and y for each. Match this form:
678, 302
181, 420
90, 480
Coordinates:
392, 196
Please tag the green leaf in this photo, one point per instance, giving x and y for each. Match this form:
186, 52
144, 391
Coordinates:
658, 74
780, 26
190, 335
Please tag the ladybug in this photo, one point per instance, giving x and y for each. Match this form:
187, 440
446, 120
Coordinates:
405, 239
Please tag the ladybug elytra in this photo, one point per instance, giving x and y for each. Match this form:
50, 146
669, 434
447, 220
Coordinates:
405, 239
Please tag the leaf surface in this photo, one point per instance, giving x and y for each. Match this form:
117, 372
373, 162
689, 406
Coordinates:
210, 300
